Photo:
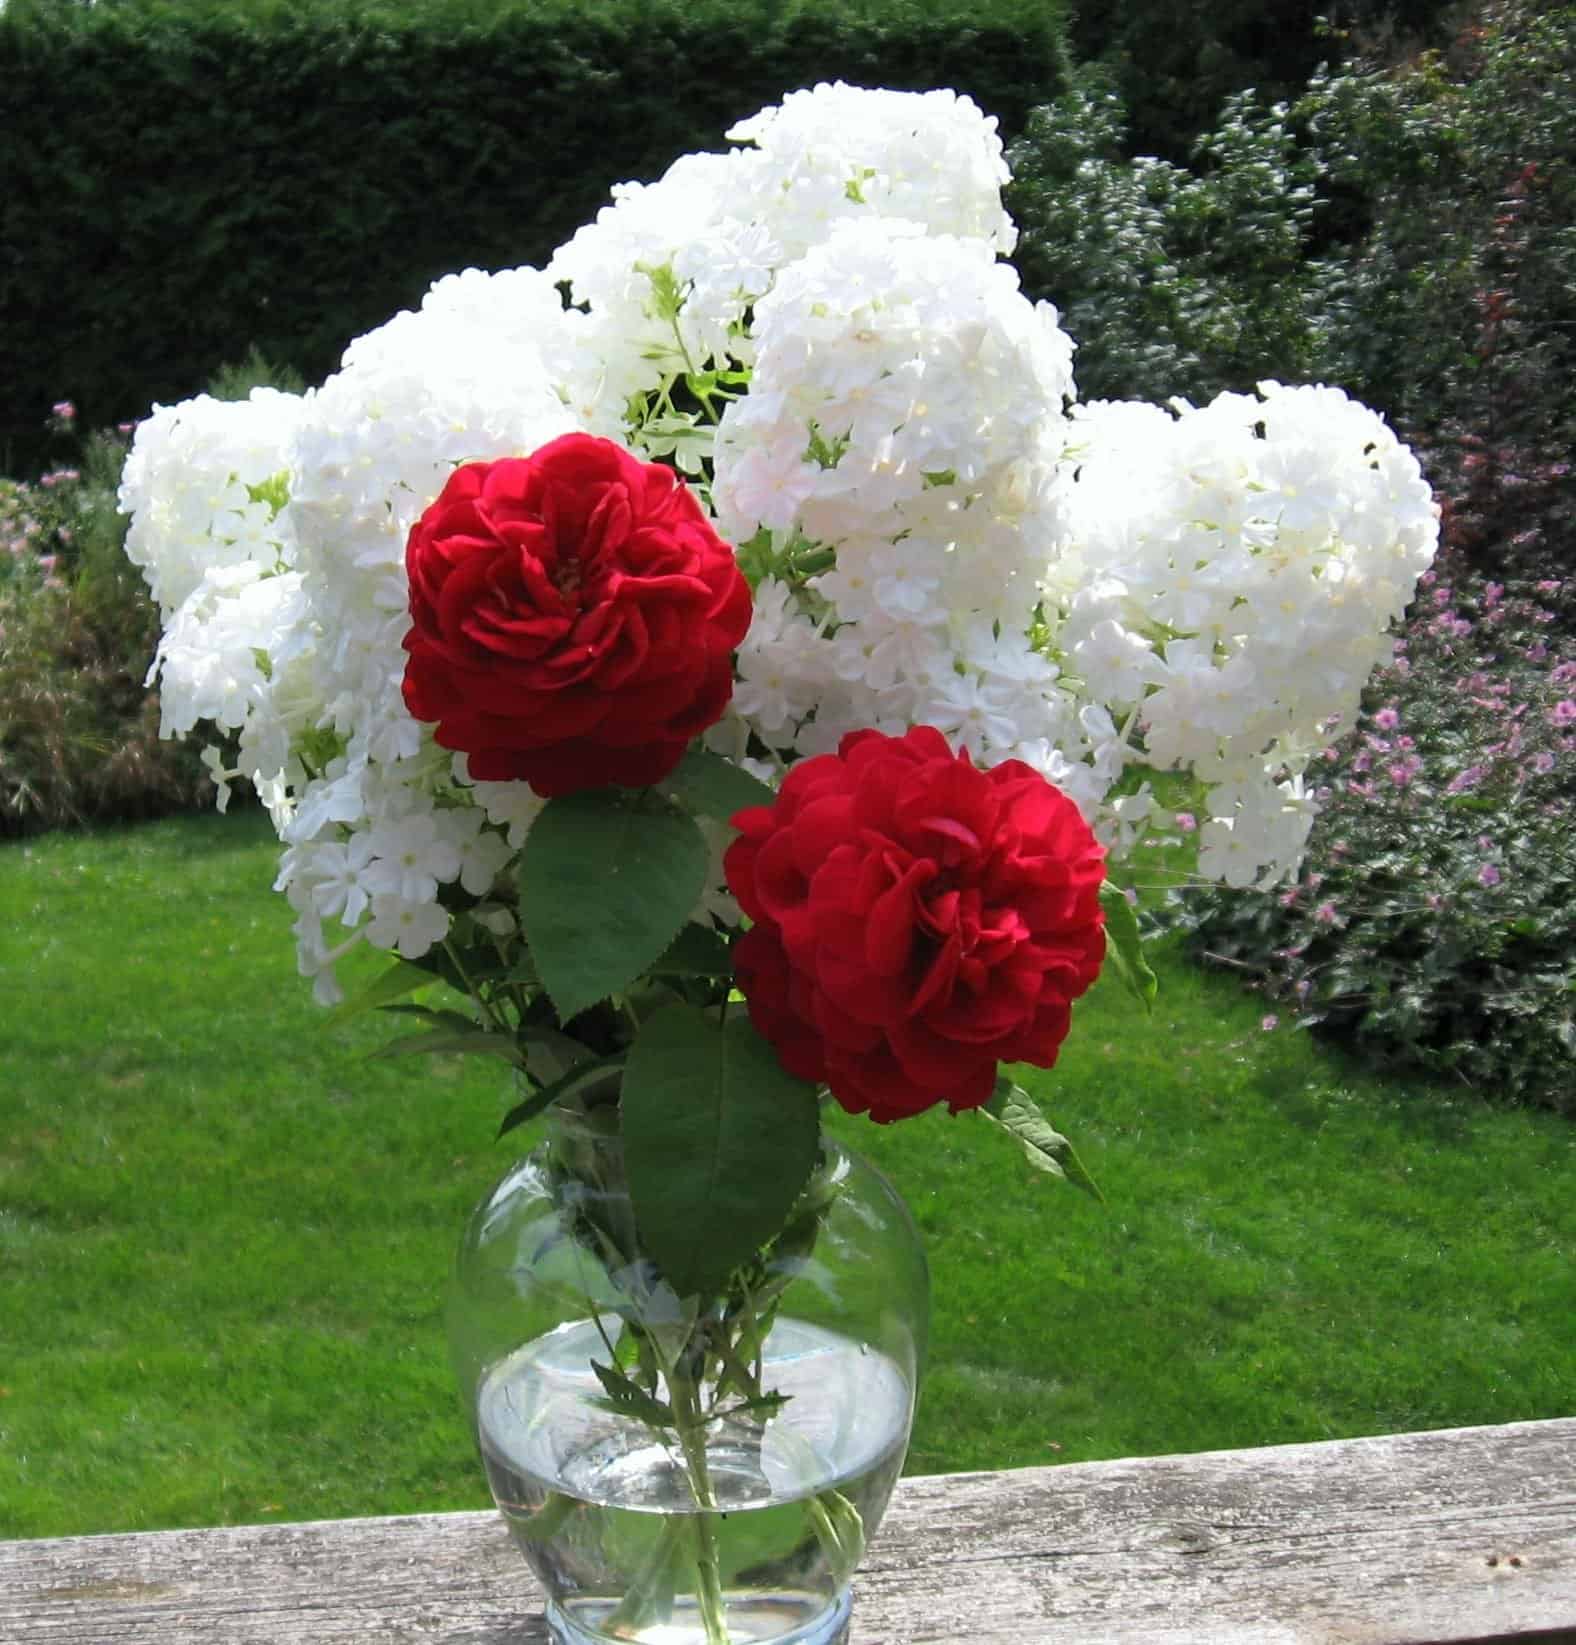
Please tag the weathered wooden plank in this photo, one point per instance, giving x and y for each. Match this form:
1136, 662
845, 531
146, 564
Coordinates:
1467, 1535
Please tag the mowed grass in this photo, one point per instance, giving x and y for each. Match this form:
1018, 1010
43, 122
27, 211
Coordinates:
225, 1234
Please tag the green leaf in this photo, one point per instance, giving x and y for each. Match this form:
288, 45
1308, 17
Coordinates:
719, 1140
474, 1042
542, 1099
393, 984
549, 1519
697, 951
455, 1021
714, 787
840, 1530
549, 1055
1124, 948
764, 1406
1046, 1149
605, 887
630, 1399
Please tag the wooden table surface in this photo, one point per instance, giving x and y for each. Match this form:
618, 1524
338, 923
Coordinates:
1411, 1539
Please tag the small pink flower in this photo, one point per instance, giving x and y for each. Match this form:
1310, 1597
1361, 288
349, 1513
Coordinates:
1488, 874
1536, 652
1463, 780
63, 410
1387, 719
1548, 586
1542, 762
1563, 673
1186, 822
1485, 843
1434, 901
1269, 1023
1563, 712
1324, 914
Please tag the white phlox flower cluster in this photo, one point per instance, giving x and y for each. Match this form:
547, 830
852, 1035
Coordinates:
817, 327
190, 487
1226, 588
906, 418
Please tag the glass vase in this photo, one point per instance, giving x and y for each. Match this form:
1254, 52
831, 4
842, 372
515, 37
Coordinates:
688, 1470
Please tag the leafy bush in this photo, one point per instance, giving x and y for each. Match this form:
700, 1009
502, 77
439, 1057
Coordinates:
79, 733
1453, 189
1176, 61
1434, 924
1172, 281
1406, 232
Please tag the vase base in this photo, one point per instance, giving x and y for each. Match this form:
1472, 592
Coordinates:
753, 1619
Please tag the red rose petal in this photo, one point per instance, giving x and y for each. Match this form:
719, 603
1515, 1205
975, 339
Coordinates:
577, 596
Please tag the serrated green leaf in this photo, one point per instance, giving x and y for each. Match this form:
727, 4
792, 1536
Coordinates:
394, 984
605, 887
1124, 947
1046, 1149
714, 787
719, 1140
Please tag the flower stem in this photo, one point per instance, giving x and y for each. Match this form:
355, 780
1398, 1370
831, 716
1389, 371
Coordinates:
690, 1425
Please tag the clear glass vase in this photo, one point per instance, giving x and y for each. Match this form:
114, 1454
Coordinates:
698, 1470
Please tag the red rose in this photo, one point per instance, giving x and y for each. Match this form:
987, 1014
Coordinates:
573, 617
916, 921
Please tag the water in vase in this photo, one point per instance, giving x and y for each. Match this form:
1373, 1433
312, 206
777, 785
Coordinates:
603, 1509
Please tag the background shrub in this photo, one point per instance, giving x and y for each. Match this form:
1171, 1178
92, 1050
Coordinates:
1452, 226
79, 730
1174, 62
1407, 232
1434, 924
1173, 281
185, 180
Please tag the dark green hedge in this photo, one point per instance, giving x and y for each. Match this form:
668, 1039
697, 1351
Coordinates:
182, 182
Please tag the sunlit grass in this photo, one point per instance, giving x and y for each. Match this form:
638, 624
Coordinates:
224, 1234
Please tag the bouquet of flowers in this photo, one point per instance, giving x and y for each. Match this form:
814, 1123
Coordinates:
742, 605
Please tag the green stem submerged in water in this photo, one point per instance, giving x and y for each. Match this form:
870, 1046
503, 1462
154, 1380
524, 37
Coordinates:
688, 1370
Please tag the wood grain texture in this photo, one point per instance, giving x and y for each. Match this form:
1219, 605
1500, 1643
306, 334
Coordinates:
1466, 1535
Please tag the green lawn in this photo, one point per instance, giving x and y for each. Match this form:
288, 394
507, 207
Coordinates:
224, 1234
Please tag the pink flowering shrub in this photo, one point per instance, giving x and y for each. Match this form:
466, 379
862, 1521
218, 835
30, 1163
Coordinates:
1434, 923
